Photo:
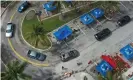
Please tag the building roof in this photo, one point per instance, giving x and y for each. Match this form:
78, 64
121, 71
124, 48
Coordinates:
127, 52
86, 19
49, 6
97, 12
63, 33
103, 68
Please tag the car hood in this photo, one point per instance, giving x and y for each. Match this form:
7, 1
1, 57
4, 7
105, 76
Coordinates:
8, 34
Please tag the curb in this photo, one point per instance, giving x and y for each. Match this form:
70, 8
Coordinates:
25, 59
26, 41
6, 8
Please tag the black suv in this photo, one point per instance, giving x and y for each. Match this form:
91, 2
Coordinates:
103, 34
69, 55
124, 20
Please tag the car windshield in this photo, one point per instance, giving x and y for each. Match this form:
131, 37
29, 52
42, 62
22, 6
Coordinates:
8, 31
71, 52
22, 7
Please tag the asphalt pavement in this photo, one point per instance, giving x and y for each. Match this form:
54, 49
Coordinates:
91, 49
86, 44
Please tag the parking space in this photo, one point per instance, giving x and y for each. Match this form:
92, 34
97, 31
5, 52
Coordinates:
128, 5
90, 48
110, 25
84, 39
86, 36
126, 41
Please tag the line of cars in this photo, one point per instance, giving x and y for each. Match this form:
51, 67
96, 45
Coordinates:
10, 31
10, 26
106, 32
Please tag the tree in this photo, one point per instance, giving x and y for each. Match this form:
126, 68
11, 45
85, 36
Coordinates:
4, 4
109, 75
38, 36
100, 77
14, 71
110, 7
59, 7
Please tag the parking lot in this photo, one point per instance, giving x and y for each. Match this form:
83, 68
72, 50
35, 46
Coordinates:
90, 48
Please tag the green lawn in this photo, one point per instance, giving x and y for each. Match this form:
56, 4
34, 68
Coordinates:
54, 22
27, 27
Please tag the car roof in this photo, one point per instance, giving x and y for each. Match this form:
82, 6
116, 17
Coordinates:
9, 26
32, 53
23, 4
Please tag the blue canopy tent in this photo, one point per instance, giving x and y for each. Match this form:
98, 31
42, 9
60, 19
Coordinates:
127, 51
103, 68
49, 6
97, 12
63, 33
86, 19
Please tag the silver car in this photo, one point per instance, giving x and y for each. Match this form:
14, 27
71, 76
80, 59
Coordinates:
9, 30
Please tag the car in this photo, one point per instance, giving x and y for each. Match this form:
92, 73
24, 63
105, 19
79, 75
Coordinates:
102, 34
36, 55
23, 6
9, 30
124, 20
69, 55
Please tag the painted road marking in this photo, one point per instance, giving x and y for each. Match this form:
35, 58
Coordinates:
21, 57
12, 16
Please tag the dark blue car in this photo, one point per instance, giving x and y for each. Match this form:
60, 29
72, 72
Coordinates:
23, 6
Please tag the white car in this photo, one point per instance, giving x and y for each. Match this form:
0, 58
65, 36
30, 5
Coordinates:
9, 30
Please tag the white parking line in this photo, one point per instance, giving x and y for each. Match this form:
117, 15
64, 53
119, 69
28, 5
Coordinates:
123, 5
80, 29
